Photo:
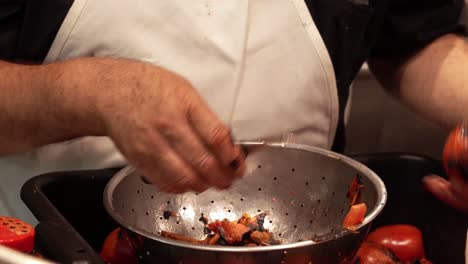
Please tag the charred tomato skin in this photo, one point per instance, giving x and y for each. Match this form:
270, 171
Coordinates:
121, 247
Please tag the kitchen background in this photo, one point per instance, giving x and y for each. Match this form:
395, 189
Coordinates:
378, 123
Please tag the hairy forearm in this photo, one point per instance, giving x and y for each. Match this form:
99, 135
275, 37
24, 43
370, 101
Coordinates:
42, 104
433, 82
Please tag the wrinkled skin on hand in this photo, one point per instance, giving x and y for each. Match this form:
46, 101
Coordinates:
454, 191
165, 129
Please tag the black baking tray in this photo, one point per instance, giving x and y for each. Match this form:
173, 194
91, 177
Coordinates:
73, 222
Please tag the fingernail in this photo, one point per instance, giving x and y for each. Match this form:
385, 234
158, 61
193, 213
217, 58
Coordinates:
145, 180
223, 186
431, 178
434, 180
235, 164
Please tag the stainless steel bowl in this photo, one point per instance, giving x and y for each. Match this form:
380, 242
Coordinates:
303, 188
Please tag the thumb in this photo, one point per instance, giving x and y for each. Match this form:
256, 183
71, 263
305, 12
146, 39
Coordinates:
443, 190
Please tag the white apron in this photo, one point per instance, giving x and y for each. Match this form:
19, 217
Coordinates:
261, 65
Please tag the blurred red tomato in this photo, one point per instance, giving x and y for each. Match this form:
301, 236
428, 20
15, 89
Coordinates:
405, 241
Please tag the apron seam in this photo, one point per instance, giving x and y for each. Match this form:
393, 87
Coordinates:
330, 73
240, 69
65, 30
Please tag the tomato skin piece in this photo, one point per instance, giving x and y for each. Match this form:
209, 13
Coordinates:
406, 241
120, 248
355, 215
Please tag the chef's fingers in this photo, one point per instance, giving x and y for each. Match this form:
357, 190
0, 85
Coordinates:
217, 137
163, 167
188, 145
444, 191
459, 183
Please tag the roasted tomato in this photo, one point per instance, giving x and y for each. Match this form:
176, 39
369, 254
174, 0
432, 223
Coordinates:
121, 247
355, 215
373, 253
455, 155
231, 232
405, 241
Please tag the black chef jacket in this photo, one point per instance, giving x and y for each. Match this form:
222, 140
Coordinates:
353, 31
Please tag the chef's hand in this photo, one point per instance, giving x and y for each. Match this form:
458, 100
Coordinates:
162, 126
453, 192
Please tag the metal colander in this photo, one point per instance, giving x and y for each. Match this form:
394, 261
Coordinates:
302, 188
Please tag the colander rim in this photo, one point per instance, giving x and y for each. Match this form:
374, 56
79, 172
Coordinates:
364, 170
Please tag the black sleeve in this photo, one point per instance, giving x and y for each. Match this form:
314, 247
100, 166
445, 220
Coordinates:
28, 27
411, 24
11, 12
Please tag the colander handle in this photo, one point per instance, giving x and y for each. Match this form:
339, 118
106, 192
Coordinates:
250, 146
250, 143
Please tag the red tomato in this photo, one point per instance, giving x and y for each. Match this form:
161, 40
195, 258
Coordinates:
405, 241
355, 215
455, 155
120, 247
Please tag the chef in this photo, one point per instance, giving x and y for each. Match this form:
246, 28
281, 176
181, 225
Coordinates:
167, 85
